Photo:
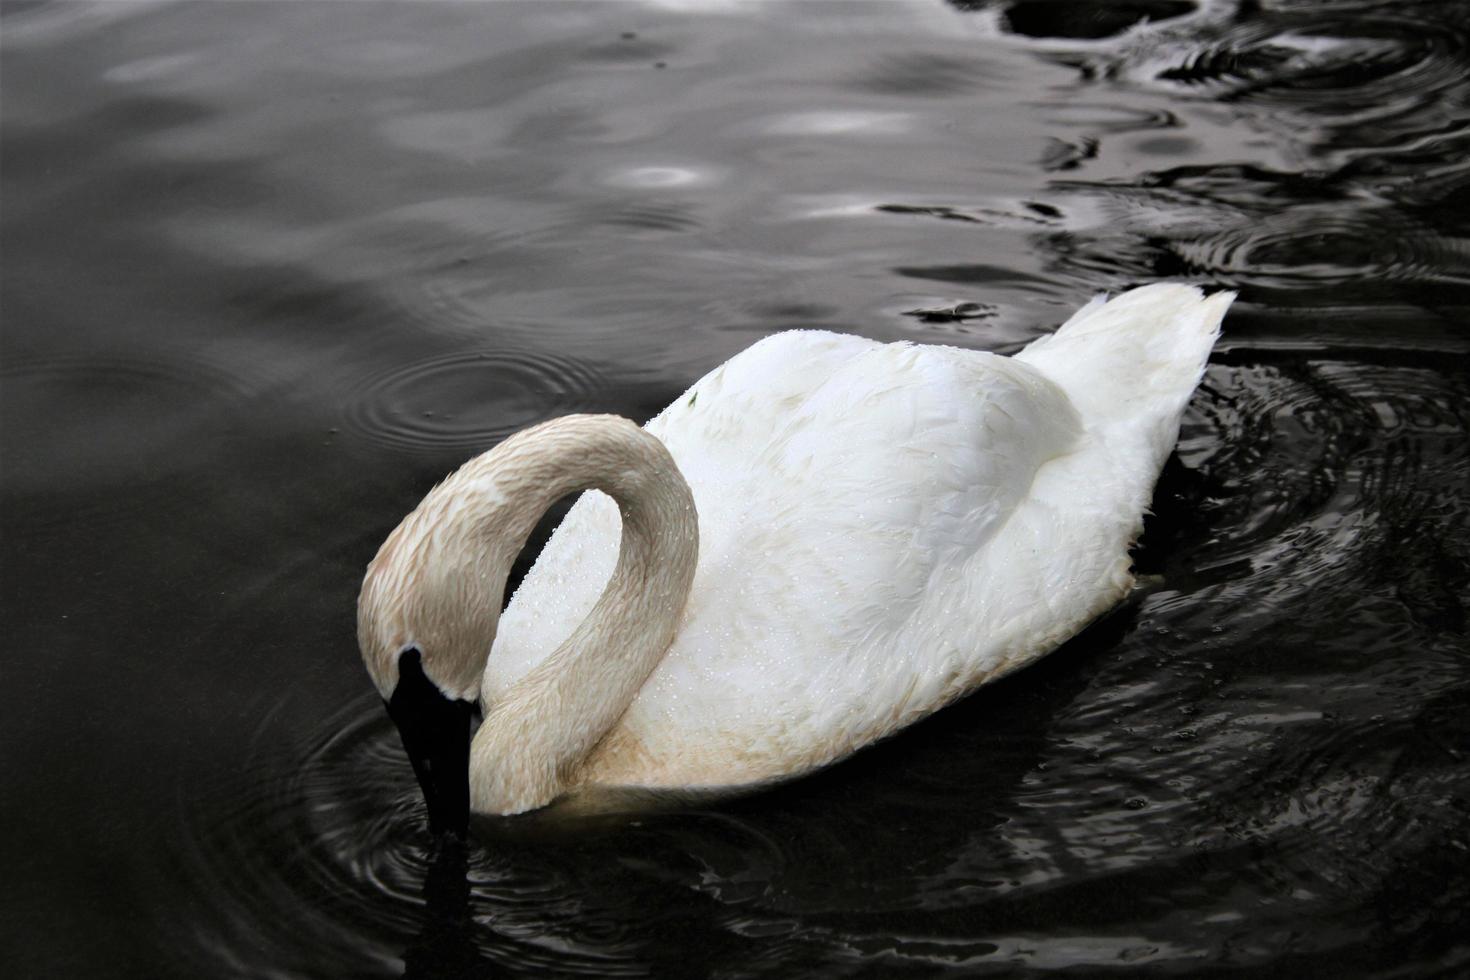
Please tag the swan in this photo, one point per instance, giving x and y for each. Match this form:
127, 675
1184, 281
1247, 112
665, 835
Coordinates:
821, 541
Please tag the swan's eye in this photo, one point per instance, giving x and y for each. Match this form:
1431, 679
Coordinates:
436, 735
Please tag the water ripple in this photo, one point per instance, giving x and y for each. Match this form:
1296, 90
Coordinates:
112, 422
1325, 245
1265, 232
1341, 70
1309, 471
921, 74
1343, 79
1258, 762
469, 400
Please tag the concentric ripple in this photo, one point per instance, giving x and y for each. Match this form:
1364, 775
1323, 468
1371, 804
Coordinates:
1333, 77
345, 852
1327, 244
1331, 66
470, 400
1263, 232
342, 842
1301, 468
1375, 78
111, 432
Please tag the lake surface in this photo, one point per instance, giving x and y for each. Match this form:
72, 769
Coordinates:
270, 270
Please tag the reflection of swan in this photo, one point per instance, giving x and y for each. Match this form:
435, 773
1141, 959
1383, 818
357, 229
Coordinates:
879, 529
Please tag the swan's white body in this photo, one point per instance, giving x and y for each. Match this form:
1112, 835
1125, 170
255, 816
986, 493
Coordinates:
881, 528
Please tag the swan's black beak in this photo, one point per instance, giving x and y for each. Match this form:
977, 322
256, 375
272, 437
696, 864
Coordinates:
436, 735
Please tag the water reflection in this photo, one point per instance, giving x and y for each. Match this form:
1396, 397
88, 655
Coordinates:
272, 270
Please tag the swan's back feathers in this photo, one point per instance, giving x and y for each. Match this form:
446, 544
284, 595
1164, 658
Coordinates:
1130, 364
882, 528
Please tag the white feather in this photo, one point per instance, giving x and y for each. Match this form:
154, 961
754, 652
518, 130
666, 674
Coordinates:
881, 528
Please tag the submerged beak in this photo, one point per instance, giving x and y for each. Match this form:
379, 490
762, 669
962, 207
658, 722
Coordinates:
436, 735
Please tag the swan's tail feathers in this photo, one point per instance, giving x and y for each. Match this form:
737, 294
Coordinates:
1130, 364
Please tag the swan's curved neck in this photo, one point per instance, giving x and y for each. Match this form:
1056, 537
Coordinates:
459, 545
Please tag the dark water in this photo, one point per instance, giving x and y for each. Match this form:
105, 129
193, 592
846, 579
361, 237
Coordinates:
271, 269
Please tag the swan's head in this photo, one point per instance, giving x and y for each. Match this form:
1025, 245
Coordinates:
425, 654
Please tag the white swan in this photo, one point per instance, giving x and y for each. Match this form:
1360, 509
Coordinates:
866, 533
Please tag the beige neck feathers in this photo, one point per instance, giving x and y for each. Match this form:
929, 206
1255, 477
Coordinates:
449, 560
